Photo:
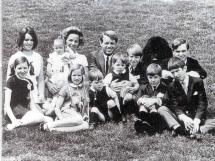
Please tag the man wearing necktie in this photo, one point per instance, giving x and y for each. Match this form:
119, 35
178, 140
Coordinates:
101, 59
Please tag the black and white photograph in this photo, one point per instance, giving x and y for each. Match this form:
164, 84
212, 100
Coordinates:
107, 80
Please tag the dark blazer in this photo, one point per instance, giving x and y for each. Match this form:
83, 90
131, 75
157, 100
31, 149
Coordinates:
194, 103
96, 60
140, 70
193, 65
147, 90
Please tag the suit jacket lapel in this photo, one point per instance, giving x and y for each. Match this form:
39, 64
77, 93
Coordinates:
190, 88
101, 61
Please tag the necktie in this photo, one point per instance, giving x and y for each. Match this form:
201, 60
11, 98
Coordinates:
106, 64
184, 86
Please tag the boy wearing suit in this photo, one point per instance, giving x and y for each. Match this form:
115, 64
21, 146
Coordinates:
180, 49
152, 100
136, 68
188, 99
102, 59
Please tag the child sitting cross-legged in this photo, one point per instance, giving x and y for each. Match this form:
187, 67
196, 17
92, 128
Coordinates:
104, 102
150, 98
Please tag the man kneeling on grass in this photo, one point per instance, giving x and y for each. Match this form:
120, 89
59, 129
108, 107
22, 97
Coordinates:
151, 99
188, 98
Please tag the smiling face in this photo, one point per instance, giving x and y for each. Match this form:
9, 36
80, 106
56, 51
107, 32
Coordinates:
72, 41
179, 73
28, 42
181, 52
119, 66
154, 80
77, 77
21, 70
108, 45
133, 60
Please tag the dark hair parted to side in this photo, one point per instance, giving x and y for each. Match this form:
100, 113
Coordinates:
109, 33
22, 34
120, 56
73, 68
73, 30
95, 75
156, 50
175, 63
179, 41
18, 61
154, 69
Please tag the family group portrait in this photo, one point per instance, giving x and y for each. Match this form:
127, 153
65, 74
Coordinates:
111, 80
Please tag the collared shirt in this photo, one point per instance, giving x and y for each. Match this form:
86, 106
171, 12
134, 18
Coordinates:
184, 84
105, 57
155, 87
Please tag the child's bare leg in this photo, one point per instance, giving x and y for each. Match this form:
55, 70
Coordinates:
33, 117
82, 126
100, 115
66, 122
51, 107
128, 97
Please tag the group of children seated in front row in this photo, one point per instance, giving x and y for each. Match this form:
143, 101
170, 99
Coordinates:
180, 105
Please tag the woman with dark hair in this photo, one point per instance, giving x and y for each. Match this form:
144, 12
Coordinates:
27, 42
157, 50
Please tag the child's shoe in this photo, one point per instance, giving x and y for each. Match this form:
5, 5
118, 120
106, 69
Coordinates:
143, 126
180, 131
43, 127
10, 127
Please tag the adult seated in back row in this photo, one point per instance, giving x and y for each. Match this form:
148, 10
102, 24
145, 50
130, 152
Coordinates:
102, 59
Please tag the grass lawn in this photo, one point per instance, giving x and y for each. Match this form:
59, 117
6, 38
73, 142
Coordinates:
135, 21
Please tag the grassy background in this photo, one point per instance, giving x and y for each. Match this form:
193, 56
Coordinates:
135, 21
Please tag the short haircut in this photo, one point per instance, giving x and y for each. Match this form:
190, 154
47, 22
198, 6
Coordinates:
135, 49
179, 41
73, 30
109, 33
153, 69
120, 56
175, 63
95, 75
73, 68
21, 38
18, 61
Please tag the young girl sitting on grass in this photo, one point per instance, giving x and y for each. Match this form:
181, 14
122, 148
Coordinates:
72, 104
19, 102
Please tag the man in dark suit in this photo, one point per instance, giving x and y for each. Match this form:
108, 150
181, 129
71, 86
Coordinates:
102, 59
188, 99
180, 49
